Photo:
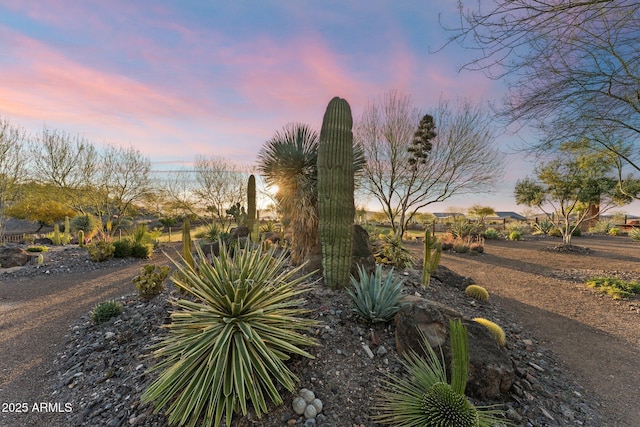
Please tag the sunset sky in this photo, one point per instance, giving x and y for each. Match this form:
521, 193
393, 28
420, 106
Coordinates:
178, 79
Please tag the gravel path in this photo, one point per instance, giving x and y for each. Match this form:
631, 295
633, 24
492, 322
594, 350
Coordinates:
35, 315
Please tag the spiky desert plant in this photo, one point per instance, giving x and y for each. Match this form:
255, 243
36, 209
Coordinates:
81, 238
227, 343
477, 292
335, 192
391, 251
105, 311
187, 254
150, 281
495, 330
56, 238
373, 299
634, 233
425, 398
432, 253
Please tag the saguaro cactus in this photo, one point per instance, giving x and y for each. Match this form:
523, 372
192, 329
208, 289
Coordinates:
335, 192
186, 243
432, 252
251, 203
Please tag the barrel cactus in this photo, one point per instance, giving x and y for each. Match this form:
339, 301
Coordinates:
335, 192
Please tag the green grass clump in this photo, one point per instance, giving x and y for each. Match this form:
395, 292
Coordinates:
37, 248
491, 234
477, 292
494, 328
515, 235
614, 286
373, 299
105, 311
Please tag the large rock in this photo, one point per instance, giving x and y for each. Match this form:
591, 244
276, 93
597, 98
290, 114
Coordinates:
491, 372
13, 256
238, 232
449, 278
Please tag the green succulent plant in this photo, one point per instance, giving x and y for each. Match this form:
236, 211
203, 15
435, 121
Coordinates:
105, 311
425, 399
391, 251
227, 344
373, 299
150, 281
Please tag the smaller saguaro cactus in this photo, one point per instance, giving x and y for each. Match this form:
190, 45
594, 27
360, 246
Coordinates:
432, 252
66, 237
56, 238
251, 203
81, 238
186, 243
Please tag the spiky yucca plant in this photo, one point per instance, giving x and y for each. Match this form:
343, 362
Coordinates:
375, 300
477, 292
105, 311
227, 347
496, 331
425, 398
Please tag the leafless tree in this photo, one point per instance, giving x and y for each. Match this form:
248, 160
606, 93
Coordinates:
462, 157
12, 165
572, 67
125, 180
219, 183
69, 163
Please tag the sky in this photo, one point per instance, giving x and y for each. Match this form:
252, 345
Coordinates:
219, 78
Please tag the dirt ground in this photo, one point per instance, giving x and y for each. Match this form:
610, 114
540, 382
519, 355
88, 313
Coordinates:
597, 338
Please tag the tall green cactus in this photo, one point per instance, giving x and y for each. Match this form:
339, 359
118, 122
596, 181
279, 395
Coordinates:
251, 205
186, 243
66, 236
432, 252
336, 208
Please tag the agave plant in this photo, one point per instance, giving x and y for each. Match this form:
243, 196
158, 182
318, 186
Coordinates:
227, 346
425, 398
374, 300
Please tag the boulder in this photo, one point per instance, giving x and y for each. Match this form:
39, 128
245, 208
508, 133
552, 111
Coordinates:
449, 278
13, 256
238, 233
43, 241
271, 237
491, 372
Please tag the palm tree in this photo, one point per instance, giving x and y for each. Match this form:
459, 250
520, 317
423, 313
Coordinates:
289, 161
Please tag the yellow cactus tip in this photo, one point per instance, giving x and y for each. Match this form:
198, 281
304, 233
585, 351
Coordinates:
477, 292
494, 329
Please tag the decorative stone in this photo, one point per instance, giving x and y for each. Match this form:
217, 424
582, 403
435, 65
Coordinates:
317, 403
310, 412
299, 405
307, 395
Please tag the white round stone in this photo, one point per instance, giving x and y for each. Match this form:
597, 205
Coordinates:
307, 395
299, 405
317, 403
310, 412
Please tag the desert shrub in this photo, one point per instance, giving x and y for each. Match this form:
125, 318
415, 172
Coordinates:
150, 281
391, 251
268, 226
576, 231
210, 232
142, 234
555, 232
515, 235
122, 248
520, 228
425, 398
101, 250
634, 233
614, 286
491, 234
495, 330
461, 248
105, 311
373, 299
141, 250
446, 241
227, 343
542, 227
89, 224
462, 228
37, 248
601, 226
29, 239
614, 231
